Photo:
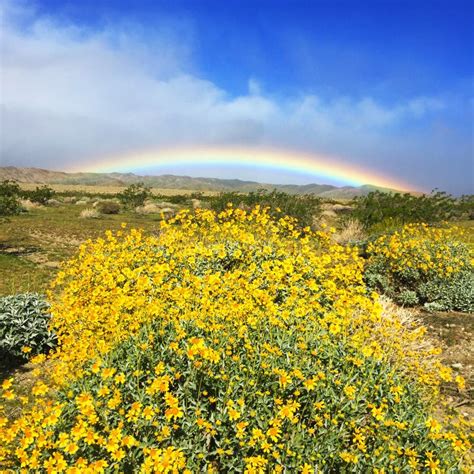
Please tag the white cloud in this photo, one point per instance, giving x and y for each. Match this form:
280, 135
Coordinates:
69, 94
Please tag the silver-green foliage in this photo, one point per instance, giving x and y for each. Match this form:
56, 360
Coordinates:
24, 320
455, 293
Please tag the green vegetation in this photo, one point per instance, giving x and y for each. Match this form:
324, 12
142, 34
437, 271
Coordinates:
40, 195
134, 195
422, 265
108, 207
229, 343
466, 207
382, 211
24, 320
304, 208
9, 198
34, 245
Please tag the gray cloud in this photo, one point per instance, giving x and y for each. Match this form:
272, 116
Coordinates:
69, 94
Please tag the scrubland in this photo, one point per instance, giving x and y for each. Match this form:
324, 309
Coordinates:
270, 334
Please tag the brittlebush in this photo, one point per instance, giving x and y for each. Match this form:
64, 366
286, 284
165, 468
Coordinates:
229, 343
429, 264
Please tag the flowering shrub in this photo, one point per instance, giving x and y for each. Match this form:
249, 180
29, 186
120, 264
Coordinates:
422, 264
229, 342
303, 207
24, 328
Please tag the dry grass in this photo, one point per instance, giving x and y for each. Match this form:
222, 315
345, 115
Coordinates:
453, 333
29, 205
149, 208
89, 214
155, 208
82, 188
351, 231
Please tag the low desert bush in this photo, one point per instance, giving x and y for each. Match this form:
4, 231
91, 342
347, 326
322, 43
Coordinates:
149, 208
465, 207
108, 207
28, 205
456, 292
351, 232
229, 342
53, 202
9, 198
24, 329
422, 265
89, 213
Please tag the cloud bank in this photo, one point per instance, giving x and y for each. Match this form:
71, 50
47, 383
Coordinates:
70, 94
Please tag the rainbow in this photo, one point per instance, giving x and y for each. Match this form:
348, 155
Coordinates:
314, 165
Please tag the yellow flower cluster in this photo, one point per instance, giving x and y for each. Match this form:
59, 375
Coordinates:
228, 343
429, 250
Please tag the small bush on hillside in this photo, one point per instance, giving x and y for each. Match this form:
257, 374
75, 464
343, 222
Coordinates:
407, 298
27, 205
394, 210
24, 329
456, 292
351, 232
9, 198
465, 207
134, 195
89, 214
422, 264
108, 207
82, 202
41, 195
304, 208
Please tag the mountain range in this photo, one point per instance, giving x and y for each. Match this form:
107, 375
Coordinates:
42, 176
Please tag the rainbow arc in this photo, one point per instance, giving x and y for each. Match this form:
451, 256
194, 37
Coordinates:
314, 165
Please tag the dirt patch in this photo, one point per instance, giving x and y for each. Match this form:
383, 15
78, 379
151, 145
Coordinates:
17, 251
43, 260
63, 240
455, 333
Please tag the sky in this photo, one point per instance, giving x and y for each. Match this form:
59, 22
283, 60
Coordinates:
386, 86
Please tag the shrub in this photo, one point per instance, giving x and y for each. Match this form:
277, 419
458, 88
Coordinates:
393, 210
229, 343
134, 195
176, 199
41, 195
9, 198
304, 208
455, 293
53, 202
350, 233
407, 298
24, 329
27, 205
465, 208
422, 264
108, 207
89, 214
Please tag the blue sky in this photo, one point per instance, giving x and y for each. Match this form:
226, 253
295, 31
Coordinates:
383, 84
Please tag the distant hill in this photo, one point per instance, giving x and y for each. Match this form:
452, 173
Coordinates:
167, 181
